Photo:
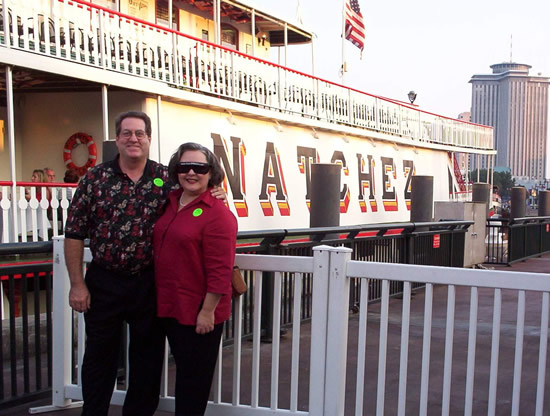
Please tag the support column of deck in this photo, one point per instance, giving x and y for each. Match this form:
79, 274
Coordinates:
11, 140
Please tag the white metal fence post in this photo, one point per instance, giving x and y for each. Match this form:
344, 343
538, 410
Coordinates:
337, 331
321, 258
62, 331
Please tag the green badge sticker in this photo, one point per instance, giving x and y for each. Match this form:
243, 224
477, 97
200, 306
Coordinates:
197, 212
158, 182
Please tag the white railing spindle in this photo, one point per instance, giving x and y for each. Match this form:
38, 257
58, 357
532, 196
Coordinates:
382, 348
518, 358
426, 343
495, 344
257, 282
276, 341
543, 348
404, 354
448, 360
296, 305
361, 347
470, 364
237, 344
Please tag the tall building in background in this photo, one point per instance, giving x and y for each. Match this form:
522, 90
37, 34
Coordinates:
516, 105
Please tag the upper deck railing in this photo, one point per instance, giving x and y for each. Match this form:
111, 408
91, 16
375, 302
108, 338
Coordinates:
78, 31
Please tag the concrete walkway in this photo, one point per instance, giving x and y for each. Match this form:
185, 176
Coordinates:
507, 336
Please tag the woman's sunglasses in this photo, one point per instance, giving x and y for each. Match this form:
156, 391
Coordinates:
185, 167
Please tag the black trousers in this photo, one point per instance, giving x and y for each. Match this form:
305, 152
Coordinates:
195, 357
116, 298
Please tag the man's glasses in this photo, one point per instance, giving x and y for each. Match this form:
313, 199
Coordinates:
126, 134
185, 167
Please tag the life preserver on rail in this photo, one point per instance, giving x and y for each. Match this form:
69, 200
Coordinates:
73, 141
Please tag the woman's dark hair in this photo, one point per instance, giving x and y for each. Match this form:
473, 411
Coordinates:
216, 172
70, 176
133, 114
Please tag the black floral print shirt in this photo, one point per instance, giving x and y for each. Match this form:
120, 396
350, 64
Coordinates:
118, 215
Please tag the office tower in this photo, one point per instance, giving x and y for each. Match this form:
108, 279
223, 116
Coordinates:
516, 105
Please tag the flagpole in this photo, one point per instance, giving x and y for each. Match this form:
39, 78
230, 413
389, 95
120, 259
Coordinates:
343, 67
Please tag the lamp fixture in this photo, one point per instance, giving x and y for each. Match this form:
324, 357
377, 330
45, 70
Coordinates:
345, 138
262, 36
412, 96
372, 142
395, 147
278, 127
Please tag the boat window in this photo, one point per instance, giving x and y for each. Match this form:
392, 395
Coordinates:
162, 14
230, 36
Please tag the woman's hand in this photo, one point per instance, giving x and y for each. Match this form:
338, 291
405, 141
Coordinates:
205, 322
205, 318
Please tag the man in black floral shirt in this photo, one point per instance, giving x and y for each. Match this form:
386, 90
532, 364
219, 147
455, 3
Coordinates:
115, 206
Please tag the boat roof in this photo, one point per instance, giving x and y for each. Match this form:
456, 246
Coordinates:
266, 21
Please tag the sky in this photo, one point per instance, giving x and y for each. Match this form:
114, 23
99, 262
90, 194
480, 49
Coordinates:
430, 46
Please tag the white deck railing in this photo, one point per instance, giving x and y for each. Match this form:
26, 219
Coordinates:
332, 269
80, 32
37, 212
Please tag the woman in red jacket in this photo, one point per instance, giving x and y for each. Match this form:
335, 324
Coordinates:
194, 245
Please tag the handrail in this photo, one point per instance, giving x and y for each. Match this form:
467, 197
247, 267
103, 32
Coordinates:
38, 247
276, 237
49, 184
215, 45
279, 235
525, 220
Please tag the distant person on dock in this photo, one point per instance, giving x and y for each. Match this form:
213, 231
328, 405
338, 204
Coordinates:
194, 290
116, 205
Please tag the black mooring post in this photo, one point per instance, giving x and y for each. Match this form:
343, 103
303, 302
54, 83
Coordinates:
325, 195
422, 202
422, 198
544, 204
517, 202
481, 192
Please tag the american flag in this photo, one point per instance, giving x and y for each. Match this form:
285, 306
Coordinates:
355, 30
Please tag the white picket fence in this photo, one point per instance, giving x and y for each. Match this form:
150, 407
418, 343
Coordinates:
28, 213
328, 391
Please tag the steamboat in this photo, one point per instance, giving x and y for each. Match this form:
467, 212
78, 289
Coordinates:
201, 70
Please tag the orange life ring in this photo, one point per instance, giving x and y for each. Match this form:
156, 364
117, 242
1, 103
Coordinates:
71, 143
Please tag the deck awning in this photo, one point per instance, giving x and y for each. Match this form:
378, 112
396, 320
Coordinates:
241, 12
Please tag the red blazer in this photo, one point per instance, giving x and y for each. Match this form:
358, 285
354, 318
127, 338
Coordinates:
194, 253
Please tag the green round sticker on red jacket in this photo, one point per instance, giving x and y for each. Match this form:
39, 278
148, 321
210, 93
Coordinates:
158, 182
197, 212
